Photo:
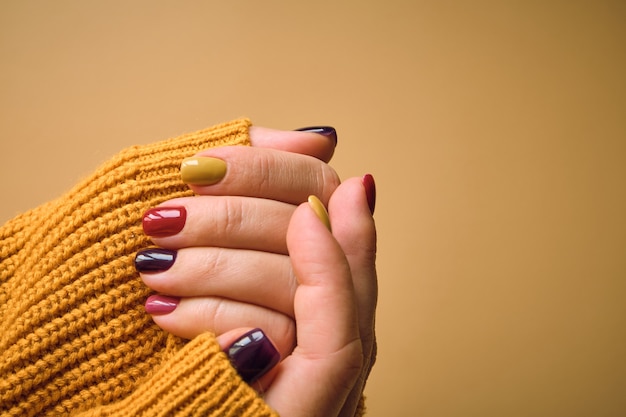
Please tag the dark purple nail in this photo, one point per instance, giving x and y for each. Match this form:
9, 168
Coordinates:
154, 260
161, 304
253, 354
327, 131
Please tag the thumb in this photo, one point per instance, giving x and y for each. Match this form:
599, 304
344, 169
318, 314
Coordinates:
318, 376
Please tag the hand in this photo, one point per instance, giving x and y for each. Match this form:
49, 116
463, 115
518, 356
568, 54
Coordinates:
208, 269
238, 292
334, 306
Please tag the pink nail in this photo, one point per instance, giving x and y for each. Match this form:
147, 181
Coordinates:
161, 304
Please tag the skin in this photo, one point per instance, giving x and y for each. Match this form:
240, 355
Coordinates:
256, 216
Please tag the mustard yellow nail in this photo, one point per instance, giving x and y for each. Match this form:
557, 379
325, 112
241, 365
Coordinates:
319, 210
202, 170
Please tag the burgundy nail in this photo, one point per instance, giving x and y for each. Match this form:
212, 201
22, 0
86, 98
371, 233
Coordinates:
327, 131
164, 221
370, 191
161, 304
154, 260
253, 355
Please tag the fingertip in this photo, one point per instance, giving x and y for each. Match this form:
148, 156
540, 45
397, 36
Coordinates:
154, 260
327, 131
350, 210
250, 351
320, 211
370, 191
229, 337
356, 195
160, 304
319, 142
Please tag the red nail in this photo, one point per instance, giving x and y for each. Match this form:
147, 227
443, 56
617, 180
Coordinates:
164, 221
161, 304
370, 191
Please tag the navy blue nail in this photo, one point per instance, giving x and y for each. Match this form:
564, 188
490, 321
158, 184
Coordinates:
253, 354
154, 260
327, 131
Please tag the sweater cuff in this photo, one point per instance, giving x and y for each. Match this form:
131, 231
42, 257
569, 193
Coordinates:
74, 329
197, 381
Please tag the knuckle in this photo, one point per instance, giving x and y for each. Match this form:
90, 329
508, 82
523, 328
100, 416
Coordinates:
211, 262
229, 215
263, 171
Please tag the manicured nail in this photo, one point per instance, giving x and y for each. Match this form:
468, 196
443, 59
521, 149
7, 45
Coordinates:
154, 260
327, 131
319, 210
164, 221
253, 355
202, 170
370, 191
161, 304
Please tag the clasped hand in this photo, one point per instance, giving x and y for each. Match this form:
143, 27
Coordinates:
251, 258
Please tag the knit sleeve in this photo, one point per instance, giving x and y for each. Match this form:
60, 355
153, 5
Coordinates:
197, 381
75, 336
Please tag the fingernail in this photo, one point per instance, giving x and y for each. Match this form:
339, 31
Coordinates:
370, 191
161, 304
202, 170
164, 221
154, 260
253, 355
327, 131
319, 210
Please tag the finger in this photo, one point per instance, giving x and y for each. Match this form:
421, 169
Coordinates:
328, 357
222, 273
318, 142
350, 210
258, 172
253, 354
189, 317
228, 222
355, 231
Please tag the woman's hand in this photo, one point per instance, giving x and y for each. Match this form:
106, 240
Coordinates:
222, 260
225, 268
334, 306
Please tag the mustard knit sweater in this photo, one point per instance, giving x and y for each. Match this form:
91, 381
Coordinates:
74, 338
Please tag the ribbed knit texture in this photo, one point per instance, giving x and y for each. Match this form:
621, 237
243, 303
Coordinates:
198, 381
74, 334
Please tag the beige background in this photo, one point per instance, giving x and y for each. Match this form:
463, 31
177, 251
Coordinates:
496, 132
